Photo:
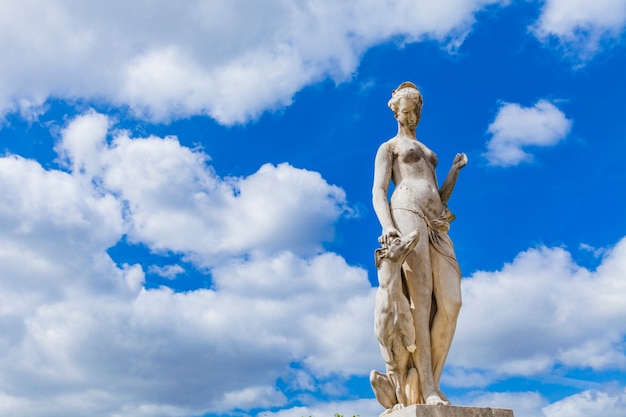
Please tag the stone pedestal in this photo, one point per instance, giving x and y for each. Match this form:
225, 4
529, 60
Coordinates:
421, 410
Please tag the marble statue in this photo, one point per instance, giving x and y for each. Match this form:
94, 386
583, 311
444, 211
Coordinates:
419, 294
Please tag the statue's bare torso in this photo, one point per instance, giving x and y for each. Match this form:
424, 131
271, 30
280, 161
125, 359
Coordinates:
413, 173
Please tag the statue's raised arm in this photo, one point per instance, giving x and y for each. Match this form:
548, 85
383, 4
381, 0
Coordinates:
460, 160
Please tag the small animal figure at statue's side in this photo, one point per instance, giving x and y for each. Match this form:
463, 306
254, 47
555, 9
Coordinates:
393, 321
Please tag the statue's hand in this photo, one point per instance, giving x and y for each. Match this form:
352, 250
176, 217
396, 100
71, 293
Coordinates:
460, 160
389, 233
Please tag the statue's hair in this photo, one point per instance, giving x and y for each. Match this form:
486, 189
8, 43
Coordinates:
405, 90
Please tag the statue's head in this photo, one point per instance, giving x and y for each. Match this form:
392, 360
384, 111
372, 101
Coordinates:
406, 90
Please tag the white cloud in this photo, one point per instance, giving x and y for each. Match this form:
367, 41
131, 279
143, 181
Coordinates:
167, 271
581, 26
516, 127
80, 336
177, 202
264, 396
83, 141
155, 350
37, 203
289, 286
364, 407
540, 311
231, 60
591, 403
523, 404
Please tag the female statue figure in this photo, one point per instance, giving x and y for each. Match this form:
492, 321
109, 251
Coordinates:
430, 274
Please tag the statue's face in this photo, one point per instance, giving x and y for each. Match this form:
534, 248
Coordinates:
408, 113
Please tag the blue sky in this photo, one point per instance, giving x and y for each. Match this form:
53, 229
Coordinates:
185, 220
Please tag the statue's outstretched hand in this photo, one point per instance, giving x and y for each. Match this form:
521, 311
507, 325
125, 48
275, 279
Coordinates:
460, 160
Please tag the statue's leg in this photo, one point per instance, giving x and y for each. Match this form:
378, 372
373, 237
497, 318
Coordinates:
398, 372
447, 291
412, 388
419, 284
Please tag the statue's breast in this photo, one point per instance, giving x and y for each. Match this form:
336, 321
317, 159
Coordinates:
410, 154
414, 152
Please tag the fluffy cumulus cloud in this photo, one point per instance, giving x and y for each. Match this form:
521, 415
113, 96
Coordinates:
364, 407
516, 127
581, 26
541, 311
589, 403
82, 336
231, 60
523, 404
181, 205
167, 271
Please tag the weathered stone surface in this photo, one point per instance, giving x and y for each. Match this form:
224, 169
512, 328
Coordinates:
416, 263
421, 410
